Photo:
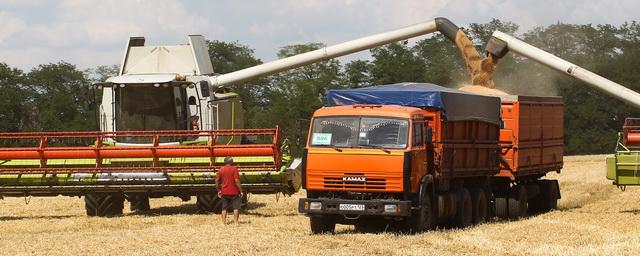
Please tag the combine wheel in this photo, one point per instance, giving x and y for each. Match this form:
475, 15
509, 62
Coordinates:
480, 206
139, 202
464, 211
102, 204
517, 202
322, 224
209, 203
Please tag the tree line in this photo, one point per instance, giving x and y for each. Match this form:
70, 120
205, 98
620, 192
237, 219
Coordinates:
59, 96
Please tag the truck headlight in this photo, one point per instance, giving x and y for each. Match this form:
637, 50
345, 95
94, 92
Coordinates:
315, 206
390, 208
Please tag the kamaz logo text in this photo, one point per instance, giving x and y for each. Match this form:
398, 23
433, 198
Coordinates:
354, 179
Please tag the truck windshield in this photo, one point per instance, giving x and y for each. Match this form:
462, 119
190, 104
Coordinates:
373, 132
143, 108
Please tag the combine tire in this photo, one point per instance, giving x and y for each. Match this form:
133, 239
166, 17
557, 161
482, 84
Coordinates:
322, 224
517, 202
139, 202
464, 207
480, 205
103, 205
209, 203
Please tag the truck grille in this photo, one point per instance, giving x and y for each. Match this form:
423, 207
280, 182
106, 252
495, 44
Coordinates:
370, 183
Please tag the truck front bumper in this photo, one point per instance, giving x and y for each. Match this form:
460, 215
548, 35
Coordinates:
393, 208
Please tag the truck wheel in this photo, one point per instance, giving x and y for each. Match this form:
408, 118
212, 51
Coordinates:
502, 211
517, 202
422, 219
139, 202
103, 204
322, 224
548, 198
464, 207
209, 203
370, 226
479, 202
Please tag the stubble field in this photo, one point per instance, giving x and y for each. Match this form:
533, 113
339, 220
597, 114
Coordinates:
594, 218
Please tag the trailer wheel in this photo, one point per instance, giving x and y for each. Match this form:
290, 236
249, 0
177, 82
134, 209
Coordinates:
517, 202
139, 202
548, 198
209, 203
479, 201
464, 207
501, 208
103, 205
322, 224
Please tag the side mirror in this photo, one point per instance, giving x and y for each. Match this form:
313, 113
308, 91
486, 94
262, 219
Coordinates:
428, 135
192, 101
204, 88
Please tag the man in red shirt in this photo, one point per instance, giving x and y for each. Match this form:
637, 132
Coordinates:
230, 190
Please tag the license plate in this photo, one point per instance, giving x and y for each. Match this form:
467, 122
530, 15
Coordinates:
352, 207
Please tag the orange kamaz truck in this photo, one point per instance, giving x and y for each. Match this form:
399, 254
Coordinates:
412, 156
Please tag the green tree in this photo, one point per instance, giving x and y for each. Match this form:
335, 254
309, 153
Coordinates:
14, 100
394, 63
295, 94
63, 98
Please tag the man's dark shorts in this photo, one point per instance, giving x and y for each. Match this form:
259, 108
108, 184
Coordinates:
231, 202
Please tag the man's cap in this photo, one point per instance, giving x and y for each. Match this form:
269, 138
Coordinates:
228, 160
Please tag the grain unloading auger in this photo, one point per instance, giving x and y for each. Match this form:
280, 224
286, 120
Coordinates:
166, 121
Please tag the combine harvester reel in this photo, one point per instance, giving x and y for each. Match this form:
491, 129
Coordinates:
105, 171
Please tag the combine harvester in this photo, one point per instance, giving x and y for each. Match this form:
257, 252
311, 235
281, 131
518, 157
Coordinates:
415, 156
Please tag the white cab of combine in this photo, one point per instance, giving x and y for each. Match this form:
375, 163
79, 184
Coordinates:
166, 87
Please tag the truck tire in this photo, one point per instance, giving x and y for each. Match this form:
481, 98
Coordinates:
209, 203
517, 202
322, 224
480, 206
548, 198
103, 204
139, 202
464, 208
422, 219
502, 210
370, 226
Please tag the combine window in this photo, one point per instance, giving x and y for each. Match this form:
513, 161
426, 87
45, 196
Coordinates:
143, 108
364, 132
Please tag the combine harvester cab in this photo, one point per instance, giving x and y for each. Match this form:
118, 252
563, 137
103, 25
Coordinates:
623, 167
163, 132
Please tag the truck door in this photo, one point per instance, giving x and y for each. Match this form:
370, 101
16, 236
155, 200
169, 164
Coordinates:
418, 153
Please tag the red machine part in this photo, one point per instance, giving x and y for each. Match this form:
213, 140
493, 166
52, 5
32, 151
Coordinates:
631, 132
22, 147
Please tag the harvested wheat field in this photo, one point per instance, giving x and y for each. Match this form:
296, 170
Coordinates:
594, 218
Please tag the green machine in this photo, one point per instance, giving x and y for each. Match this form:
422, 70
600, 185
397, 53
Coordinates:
623, 168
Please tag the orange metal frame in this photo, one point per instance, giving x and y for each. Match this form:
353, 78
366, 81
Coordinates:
154, 150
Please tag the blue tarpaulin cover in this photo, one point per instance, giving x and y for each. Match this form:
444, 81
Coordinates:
456, 104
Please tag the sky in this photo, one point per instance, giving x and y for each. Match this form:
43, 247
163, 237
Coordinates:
89, 33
